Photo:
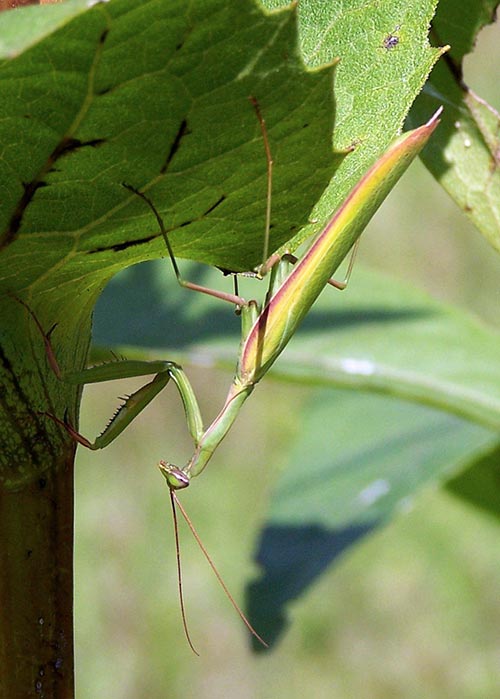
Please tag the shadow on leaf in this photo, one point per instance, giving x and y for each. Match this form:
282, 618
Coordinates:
292, 558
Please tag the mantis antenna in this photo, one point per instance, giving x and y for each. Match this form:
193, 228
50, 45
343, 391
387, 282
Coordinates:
176, 480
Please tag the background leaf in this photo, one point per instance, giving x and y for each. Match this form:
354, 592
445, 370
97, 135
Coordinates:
379, 335
20, 31
356, 460
480, 484
464, 157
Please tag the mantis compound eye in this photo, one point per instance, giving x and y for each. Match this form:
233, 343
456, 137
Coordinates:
175, 478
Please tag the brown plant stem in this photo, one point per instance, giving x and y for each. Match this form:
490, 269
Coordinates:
36, 587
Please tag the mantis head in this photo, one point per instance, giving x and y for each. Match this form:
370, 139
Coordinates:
176, 479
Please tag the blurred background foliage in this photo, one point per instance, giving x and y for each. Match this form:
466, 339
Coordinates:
412, 611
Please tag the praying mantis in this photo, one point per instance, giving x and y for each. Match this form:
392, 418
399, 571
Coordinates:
294, 285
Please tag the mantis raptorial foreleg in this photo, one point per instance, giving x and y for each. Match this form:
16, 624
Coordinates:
134, 404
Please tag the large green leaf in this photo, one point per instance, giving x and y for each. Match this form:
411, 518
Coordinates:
384, 60
356, 462
81, 115
464, 157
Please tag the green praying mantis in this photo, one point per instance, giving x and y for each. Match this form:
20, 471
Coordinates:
294, 285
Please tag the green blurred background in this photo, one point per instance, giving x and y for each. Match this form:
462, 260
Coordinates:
413, 611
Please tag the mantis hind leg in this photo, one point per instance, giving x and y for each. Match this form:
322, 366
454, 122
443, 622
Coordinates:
234, 299
352, 259
333, 282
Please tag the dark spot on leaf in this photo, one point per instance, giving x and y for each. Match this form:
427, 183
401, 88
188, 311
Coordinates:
352, 146
104, 36
123, 246
17, 217
68, 145
215, 205
391, 41
181, 132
